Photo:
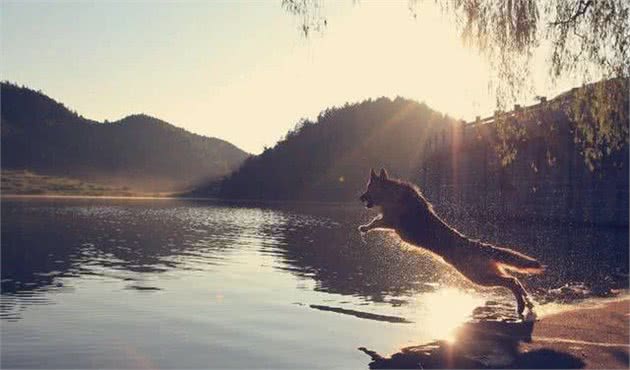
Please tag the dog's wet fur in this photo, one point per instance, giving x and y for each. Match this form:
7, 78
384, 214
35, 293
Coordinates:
405, 211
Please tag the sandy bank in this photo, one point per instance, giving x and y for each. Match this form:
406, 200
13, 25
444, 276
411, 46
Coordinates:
599, 336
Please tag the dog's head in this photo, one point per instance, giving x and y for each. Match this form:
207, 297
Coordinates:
375, 193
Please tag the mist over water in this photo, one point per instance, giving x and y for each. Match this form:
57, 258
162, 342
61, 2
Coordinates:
96, 283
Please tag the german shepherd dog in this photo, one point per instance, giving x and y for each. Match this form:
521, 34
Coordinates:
405, 210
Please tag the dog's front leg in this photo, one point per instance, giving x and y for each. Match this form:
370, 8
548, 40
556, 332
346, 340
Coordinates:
376, 223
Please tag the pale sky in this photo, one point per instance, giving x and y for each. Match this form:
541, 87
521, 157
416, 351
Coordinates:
239, 71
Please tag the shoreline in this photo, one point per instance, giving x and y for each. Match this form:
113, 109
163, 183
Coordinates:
176, 197
588, 303
70, 196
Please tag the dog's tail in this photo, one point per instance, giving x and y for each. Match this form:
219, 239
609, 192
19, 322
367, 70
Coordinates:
516, 261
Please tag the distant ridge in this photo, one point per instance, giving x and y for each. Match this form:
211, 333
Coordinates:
329, 160
144, 153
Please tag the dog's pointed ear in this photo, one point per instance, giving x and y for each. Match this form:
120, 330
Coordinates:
372, 173
383, 174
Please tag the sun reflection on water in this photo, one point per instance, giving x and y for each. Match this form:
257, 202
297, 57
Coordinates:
445, 309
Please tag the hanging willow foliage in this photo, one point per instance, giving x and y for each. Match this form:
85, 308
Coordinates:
588, 40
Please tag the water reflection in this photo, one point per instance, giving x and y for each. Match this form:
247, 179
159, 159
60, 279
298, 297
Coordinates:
45, 241
448, 308
44, 244
198, 284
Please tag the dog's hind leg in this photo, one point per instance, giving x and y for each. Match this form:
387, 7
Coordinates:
517, 289
528, 301
496, 276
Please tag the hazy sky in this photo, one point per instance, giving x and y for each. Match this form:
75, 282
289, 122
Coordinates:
240, 71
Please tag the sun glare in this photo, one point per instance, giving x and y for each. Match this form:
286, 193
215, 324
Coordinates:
445, 310
421, 58
369, 51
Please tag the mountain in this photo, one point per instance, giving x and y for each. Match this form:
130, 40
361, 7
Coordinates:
529, 163
329, 159
139, 151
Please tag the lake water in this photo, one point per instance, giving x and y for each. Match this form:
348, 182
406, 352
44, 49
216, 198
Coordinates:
97, 283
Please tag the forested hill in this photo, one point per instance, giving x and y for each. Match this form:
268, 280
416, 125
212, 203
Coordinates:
329, 159
139, 151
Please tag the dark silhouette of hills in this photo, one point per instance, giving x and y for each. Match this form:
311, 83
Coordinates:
457, 165
138, 151
327, 160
